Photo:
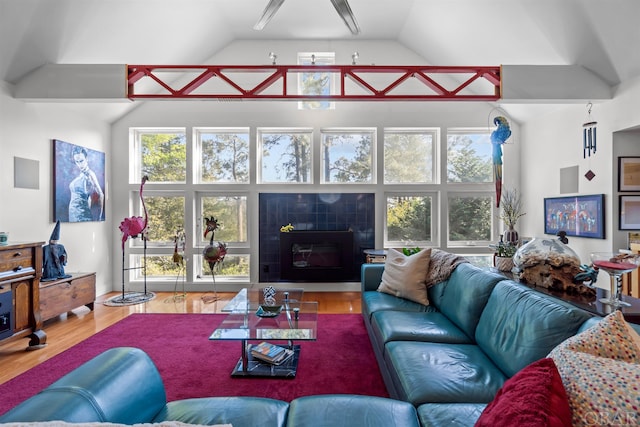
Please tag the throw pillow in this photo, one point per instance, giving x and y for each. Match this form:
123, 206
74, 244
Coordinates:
602, 391
533, 397
612, 338
600, 370
404, 276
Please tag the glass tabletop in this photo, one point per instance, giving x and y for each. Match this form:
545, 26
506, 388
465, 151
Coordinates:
248, 319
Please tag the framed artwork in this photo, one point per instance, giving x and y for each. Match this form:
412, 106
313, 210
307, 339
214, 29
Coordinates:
629, 174
580, 216
629, 213
78, 183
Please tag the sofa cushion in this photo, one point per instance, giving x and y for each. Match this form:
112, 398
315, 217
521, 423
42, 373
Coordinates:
424, 372
404, 276
519, 325
350, 411
412, 326
449, 414
463, 296
238, 411
533, 397
373, 301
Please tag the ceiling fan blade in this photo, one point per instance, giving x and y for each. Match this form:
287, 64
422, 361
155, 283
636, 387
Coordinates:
345, 12
268, 13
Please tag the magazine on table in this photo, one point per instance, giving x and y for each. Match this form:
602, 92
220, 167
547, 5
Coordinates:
271, 353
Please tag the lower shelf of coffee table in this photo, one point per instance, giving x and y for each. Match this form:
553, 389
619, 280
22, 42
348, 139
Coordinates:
257, 368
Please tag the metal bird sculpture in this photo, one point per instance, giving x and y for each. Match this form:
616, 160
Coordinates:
214, 252
135, 225
498, 137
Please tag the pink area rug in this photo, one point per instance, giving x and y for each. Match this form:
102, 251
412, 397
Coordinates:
341, 360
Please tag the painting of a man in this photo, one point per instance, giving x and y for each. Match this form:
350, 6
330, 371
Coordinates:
79, 183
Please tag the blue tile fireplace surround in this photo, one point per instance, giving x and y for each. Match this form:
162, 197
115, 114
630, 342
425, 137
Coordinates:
311, 213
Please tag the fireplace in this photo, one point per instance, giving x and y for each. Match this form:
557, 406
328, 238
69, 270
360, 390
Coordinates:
316, 256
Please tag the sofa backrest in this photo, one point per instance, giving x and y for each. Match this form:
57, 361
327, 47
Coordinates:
462, 297
519, 325
121, 385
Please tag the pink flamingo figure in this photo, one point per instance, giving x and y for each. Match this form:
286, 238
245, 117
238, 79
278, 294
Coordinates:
135, 225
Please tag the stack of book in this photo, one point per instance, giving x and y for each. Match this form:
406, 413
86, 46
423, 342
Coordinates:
270, 353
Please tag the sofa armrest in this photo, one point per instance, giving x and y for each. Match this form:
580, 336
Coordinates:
371, 276
121, 385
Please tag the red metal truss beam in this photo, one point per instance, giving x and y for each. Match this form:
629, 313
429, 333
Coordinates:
177, 82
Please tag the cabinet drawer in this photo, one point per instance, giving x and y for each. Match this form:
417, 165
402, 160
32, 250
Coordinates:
16, 262
64, 295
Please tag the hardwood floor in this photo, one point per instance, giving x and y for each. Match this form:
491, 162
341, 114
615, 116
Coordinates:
79, 324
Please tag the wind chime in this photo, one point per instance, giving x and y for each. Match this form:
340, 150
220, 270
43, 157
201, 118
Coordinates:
589, 139
213, 253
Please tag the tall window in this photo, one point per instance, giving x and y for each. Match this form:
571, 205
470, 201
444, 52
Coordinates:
348, 156
285, 155
470, 218
316, 83
223, 155
409, 156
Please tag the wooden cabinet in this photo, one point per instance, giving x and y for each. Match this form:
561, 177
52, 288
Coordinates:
21, 269
63, 295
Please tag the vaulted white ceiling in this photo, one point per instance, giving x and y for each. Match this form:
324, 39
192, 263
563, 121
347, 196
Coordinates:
602, 36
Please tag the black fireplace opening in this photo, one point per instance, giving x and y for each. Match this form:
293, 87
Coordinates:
316, 256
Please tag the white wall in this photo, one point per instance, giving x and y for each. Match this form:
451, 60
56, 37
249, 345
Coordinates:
26, 131
554, 141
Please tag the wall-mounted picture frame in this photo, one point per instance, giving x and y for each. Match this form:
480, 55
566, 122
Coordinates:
629, 213
629, 174
78, 183
579, 216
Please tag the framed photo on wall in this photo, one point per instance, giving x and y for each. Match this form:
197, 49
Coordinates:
78, 183
629, 213
580, 216
629, 174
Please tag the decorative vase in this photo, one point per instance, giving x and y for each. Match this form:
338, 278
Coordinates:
504, 263
511, 236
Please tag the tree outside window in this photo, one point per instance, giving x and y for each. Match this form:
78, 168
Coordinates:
224, 156
469, 157
285, 156
347, 157
163, 156
409, 156
409, 220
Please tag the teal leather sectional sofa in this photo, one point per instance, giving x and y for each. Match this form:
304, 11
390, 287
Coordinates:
123, 386
450, 358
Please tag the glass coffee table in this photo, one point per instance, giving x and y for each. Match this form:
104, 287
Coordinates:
284, 322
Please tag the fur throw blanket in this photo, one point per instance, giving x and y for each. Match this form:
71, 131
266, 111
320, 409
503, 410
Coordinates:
442, 265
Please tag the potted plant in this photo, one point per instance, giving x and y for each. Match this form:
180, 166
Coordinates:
503, 255
511, 212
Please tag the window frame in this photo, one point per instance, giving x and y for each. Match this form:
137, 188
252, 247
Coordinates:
350, 130
435, 209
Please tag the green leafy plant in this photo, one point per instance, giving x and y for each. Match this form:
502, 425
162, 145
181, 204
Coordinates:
410, 251
504, 249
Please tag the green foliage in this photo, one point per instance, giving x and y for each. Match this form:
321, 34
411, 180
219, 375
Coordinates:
470, 218
410, 251
232, 211
164, 157
504, 249
511, 205
356, 168
294, 162
166, 215
463, 162
408, 157
225, 158
409, 219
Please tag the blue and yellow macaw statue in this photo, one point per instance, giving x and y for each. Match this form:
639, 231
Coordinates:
499, 137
